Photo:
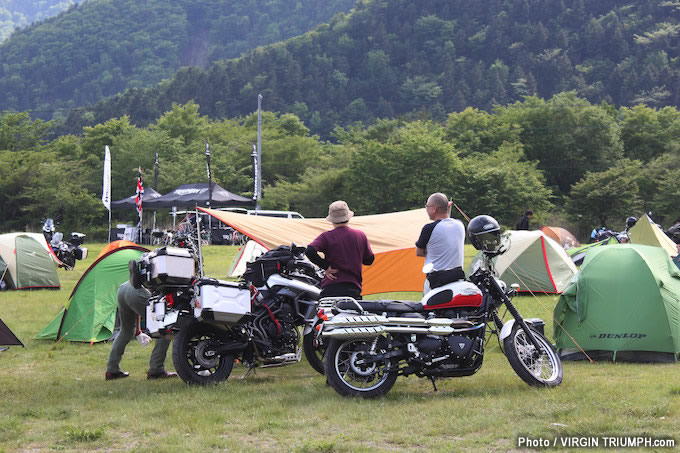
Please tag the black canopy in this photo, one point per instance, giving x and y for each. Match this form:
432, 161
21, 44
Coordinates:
129, 202
191, 195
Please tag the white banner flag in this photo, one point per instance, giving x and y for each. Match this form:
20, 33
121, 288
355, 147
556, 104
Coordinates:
106, 191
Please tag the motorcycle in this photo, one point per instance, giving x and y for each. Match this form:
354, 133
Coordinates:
255, 321
66, 251
371, 343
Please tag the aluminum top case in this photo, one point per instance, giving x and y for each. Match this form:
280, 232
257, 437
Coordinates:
169, 266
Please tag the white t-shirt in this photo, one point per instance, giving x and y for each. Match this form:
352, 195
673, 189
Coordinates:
443, 242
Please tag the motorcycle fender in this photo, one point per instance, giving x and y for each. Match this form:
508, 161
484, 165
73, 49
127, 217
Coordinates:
507, 327
309, 326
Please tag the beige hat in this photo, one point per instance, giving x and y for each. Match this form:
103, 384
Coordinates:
338, 212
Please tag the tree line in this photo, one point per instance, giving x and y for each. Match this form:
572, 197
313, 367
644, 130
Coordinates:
99, 48
575, 163
405, 59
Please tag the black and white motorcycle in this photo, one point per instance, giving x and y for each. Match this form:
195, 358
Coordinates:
66, 251
258, 321
371, 343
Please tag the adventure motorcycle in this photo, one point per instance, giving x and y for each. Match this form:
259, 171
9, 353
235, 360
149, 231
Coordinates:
66, 251
371, 343
256, 321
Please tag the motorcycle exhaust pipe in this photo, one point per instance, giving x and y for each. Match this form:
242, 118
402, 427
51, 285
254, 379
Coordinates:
231, 347
353, 321
376, 331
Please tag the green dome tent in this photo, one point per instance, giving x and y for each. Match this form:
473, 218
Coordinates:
534, 261
27, 262
623, 305
90, 312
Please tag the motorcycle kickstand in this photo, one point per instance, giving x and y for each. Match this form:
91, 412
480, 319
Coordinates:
248, 371
433, 383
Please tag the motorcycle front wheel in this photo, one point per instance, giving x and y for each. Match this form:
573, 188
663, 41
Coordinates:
194, 356
315, 350
350, 375
539, 370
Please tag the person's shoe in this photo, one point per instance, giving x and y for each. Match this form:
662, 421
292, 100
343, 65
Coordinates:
163, 375
116, 375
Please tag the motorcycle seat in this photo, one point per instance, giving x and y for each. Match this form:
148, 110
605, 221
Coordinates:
381, 306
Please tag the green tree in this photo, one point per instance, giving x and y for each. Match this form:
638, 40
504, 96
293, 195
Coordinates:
567, 135
606, 196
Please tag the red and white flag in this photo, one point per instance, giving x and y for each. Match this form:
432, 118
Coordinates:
139, 194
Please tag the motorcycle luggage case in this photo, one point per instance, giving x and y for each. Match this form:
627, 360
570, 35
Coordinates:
170, 266
221, 301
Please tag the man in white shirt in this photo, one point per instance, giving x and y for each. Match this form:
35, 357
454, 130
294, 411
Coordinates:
441, 243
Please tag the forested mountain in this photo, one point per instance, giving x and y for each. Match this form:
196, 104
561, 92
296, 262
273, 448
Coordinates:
19, 13
392, 57
102, 47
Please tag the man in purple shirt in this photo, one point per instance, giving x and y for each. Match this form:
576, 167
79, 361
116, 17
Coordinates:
345, 250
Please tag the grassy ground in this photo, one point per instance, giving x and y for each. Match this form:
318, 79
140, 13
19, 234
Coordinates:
54, 397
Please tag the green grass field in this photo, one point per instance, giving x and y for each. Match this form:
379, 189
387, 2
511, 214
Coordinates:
54, 397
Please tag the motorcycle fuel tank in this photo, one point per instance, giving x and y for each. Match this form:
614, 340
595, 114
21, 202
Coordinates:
452, 295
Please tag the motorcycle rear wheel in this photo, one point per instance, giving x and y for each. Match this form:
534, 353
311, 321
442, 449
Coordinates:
349, 376
314, 353
542, 371
194, 358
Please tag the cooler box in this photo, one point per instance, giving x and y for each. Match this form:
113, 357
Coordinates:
221, 301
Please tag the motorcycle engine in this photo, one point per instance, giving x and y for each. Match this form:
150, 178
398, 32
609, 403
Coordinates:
276, 328
460, 349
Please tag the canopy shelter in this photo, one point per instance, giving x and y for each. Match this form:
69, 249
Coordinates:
192, 195
561, 235
624, 304
7, 337
27, 262
534, 261
392, 238
646, 232
129, 202
90, 312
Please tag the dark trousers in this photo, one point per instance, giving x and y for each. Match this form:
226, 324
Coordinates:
441, 278
341, 289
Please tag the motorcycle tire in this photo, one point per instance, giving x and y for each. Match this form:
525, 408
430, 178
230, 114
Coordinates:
542, 371
314, 353
194, 360
349, 378
69, 261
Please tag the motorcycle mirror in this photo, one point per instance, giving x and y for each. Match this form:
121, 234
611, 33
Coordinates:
427, 268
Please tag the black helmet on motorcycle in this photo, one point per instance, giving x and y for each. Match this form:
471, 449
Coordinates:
484, 233
631, 221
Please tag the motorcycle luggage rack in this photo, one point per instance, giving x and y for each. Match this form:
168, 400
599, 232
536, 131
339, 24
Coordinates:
330, 302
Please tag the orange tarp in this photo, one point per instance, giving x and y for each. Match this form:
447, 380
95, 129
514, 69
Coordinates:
392, 237
115, 245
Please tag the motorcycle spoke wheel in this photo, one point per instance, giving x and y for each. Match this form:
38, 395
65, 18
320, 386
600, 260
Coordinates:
194, 357
350, 374
542, 369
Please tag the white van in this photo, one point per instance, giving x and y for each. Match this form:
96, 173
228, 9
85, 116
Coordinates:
282, 214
